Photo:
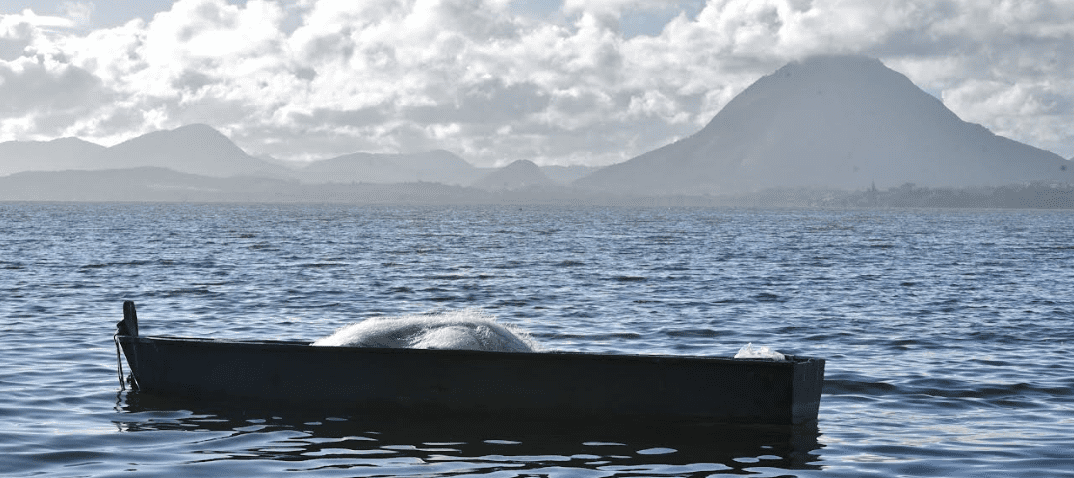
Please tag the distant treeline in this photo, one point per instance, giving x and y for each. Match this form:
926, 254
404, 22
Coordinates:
1035, 195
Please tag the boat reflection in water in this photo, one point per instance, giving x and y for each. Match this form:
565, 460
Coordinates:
293, 439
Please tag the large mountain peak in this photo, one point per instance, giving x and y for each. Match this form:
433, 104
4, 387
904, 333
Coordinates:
842, 122
832, 88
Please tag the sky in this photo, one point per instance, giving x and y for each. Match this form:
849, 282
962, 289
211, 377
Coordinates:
564, 82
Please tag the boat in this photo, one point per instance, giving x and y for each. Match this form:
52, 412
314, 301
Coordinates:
559, 385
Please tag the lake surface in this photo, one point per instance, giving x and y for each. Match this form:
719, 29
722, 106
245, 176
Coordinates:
947, 333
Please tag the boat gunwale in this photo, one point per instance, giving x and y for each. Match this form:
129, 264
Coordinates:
790, 360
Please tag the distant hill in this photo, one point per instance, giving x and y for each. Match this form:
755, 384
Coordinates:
567, 174
134, 184
164, 185
843, 122
520, 174
432, 166
194, 149
290, 165
55, 155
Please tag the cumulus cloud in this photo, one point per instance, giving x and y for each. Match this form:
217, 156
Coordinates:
319, 78
18, 32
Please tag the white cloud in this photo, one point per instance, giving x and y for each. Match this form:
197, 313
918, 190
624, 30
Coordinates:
1003, 106
20, 31
29, 17
318, 78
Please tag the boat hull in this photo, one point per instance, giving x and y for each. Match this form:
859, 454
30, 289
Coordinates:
547, 384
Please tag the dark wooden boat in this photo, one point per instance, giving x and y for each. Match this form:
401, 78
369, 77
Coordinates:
545, 384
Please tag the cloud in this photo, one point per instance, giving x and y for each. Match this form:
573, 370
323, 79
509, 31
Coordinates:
14, 38
31, 85
20, 31
319, 78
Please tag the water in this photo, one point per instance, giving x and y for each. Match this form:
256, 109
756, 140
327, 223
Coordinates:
947, 333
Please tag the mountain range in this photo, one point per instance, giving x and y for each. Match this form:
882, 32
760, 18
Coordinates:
201, 150
828, 122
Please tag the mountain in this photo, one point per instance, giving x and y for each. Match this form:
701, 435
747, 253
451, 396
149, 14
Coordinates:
842, 122
431, 166
194, 149
520, 174
55, 155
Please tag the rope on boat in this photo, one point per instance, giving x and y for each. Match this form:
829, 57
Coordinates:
119, 361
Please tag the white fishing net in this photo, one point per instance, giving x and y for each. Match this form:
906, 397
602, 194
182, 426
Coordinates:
461, 330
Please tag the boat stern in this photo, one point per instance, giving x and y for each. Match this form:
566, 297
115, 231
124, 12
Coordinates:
126, 335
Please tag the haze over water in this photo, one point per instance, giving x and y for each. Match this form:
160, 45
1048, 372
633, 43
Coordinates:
947, 333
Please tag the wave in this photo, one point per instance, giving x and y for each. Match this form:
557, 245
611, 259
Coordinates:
466, 329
